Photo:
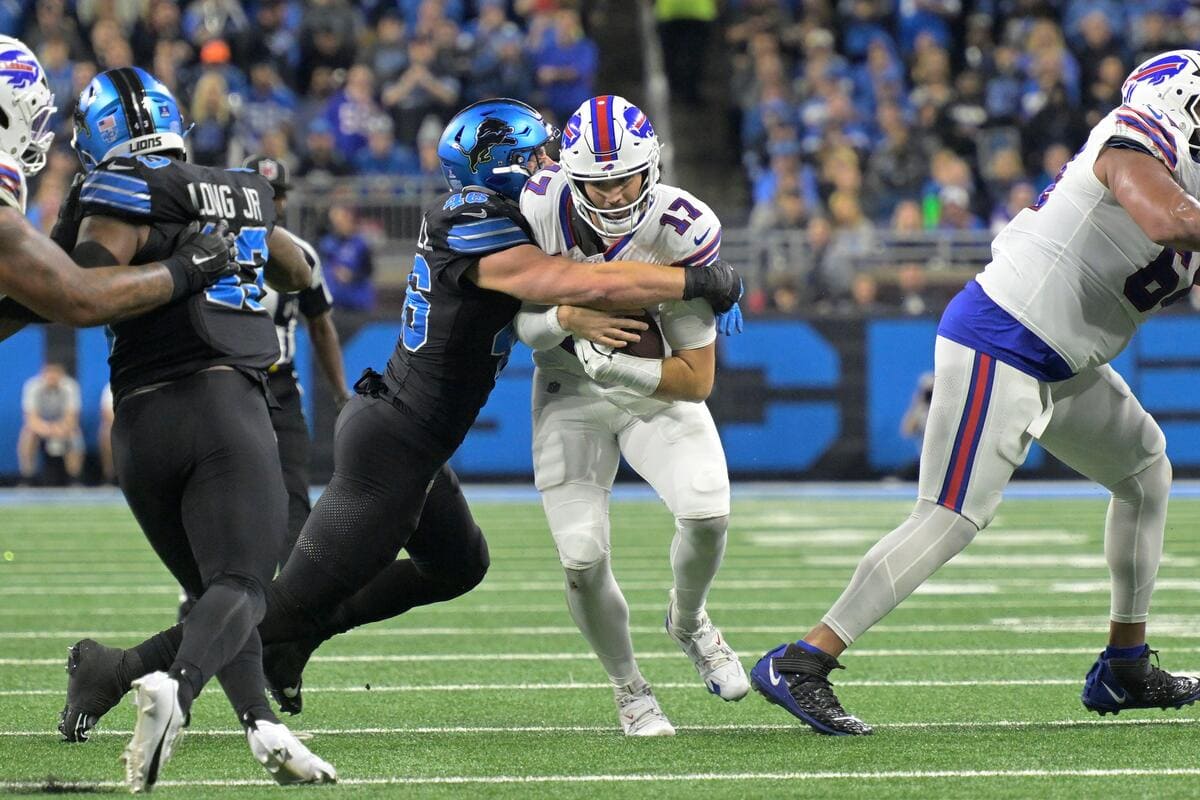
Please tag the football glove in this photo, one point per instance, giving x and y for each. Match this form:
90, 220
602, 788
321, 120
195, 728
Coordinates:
66, 227
605, 365
730, 322
718, 283
201, 259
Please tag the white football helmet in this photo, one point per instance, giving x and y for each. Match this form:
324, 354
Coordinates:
1170, 82
608, 137
26, 105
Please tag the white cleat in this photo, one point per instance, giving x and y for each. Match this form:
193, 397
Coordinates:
156, 733
640, 713
712, 656
285, 757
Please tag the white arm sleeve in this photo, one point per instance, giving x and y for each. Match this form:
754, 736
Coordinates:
538, 326
687, 324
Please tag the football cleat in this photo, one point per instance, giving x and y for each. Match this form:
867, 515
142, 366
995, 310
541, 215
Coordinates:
640, 713
284, 756
283, 665
93, 688
798, 681
160, 723
712, 656
1119, 684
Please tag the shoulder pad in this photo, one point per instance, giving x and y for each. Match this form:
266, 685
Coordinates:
1149, 127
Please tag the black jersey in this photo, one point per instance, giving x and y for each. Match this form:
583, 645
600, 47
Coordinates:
224, 324
456, 336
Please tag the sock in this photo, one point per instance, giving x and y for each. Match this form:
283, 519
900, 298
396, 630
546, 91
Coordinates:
812, 648
156, 654
1137, 651
190, 680
244, 684
600, 611
216, 630
696, 553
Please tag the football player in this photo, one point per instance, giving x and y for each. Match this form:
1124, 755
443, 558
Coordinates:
1023, 354
39, 277
593, 403
391, 487
192, 442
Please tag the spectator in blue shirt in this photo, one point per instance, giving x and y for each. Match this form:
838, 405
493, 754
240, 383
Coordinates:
350, 110
566, 67
269, 105
346, 259
382, 156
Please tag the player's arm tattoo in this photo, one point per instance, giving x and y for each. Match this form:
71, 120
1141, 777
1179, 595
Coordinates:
287, 269
39, 275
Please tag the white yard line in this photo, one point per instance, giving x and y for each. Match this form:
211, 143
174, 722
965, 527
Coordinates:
891, 775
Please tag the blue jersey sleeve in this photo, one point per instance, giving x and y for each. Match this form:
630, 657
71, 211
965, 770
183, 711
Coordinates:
117, 194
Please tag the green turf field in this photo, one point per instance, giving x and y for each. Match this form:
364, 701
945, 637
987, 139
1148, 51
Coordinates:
973, 685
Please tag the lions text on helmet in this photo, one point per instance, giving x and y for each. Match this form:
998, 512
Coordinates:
126, 112
610, 154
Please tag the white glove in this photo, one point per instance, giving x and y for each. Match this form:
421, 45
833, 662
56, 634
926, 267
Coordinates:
605, 365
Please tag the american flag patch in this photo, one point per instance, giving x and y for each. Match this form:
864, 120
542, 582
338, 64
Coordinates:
108, 128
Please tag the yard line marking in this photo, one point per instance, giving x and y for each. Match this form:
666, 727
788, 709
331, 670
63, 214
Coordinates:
783, 536
1021, 560
764, 728
1182, 626
576, 685
643, 778
952, 652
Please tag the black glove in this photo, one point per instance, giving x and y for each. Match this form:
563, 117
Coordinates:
66, 227
717, 283
201, 259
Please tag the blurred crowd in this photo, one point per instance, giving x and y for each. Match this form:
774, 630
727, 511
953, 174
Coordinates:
869, 120
330, 87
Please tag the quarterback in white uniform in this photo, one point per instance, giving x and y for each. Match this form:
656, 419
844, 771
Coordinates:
35, 275
593, 403
1022, 354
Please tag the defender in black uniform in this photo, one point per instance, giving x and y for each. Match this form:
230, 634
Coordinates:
391, 487
192, 441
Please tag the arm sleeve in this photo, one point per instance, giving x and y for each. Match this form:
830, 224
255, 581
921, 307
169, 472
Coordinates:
688, 324
122, 194
537, 326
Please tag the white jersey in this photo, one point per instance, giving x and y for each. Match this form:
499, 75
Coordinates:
12, 183
680, 230
1074, 268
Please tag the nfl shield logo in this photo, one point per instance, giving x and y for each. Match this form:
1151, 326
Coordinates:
268, 169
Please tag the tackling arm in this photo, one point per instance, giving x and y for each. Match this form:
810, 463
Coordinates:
38, 274
1145, 188
287, 269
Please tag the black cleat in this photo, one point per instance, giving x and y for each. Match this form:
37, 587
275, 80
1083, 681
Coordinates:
93, 688
283, 665
1119, 684
797, 680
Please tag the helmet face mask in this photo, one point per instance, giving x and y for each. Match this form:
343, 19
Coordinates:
609, 138
26, 106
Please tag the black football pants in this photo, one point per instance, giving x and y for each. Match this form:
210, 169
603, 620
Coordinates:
291, 433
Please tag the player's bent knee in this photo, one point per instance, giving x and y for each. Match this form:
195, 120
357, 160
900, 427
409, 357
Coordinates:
1151, 485
249, 586
580, 579
706, 529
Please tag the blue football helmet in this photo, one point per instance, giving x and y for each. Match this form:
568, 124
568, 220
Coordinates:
492, 144
125, 112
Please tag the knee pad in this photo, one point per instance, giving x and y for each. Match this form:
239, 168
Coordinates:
1151, 485
707, 528
581, 546
582, 578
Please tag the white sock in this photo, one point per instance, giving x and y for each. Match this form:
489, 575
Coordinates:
600, 611
696, 554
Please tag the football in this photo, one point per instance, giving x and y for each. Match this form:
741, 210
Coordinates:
651, 344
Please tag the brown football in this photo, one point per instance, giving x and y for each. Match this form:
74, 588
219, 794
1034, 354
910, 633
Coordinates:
651, 345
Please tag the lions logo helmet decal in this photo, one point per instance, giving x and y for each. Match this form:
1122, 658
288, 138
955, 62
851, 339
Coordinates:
491, 132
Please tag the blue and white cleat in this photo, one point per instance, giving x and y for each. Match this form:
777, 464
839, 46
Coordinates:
797, 680
1119, 684
714, 659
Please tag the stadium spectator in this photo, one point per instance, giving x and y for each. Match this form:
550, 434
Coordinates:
268, 105
1020, 195
346, 259
864, 296
421, 90
382, 156
322, 162
50, 403
388, 55
913, 283
499, 67
566, 65
350, 110
852, 239
897, 168
272, 37
328, 36
161, 23
956, 211
685, 27
213, 118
